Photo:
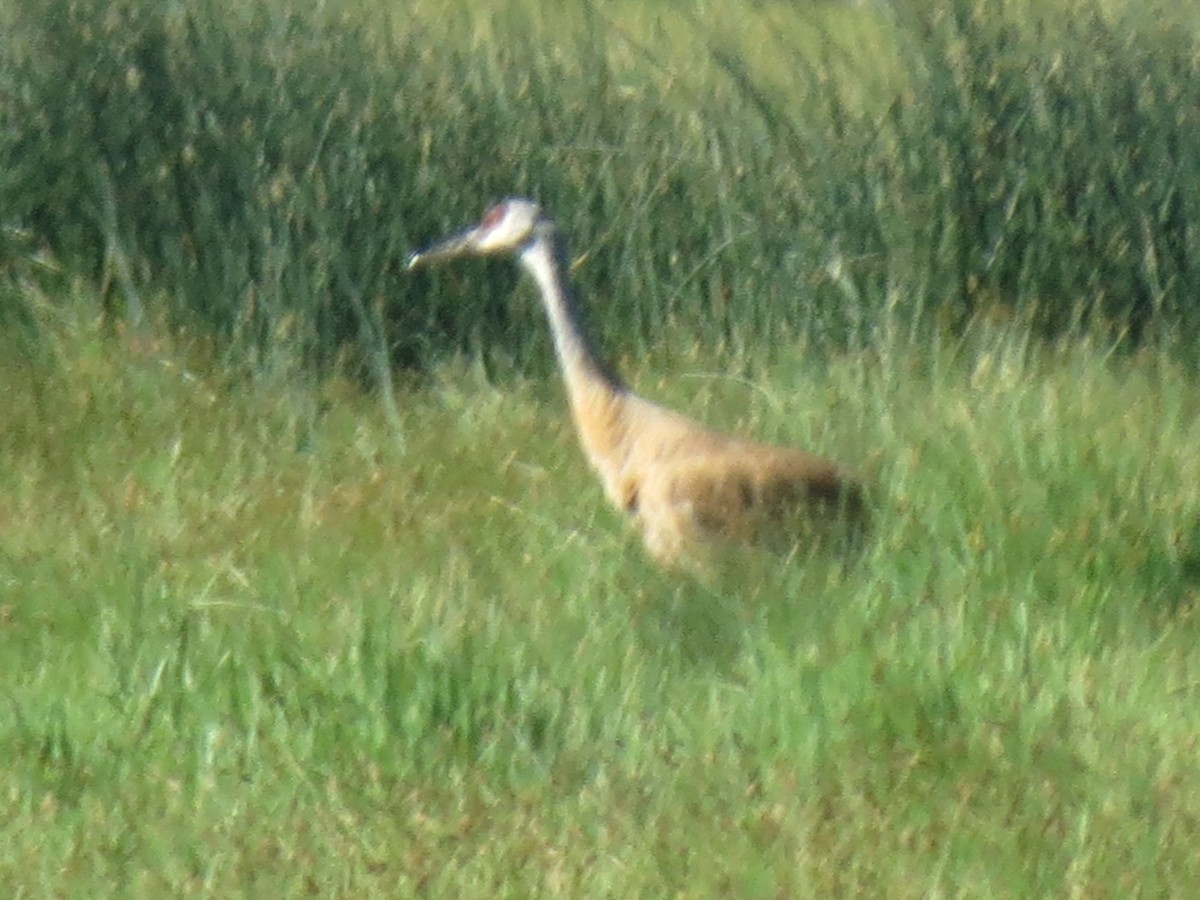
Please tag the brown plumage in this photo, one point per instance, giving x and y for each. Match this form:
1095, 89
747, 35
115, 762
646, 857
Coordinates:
685, 484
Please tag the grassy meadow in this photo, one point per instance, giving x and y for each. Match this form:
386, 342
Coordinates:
306, 589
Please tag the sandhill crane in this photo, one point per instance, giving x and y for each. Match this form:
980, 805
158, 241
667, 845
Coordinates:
685, 485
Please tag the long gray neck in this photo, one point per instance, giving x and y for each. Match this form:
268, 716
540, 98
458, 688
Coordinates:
545, 258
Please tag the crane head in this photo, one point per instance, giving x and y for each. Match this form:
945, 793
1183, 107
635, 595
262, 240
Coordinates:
508, 227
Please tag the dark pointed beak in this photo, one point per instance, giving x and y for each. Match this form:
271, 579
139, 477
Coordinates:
461, 244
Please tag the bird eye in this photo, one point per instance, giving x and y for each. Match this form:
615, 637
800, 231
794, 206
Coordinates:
493, 217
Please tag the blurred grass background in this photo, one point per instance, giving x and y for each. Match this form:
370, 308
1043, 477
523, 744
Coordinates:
260, 170
305, 589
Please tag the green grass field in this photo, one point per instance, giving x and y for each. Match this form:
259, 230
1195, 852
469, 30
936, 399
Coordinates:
263, 633
254, 644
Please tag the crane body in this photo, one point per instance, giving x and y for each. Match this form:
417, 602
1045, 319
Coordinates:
684, 483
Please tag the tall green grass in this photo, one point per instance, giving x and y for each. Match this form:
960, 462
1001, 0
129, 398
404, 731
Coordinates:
250, 645
261, 171
1055, 165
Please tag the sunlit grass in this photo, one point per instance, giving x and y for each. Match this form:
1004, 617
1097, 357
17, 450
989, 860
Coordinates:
667, 47
253, 642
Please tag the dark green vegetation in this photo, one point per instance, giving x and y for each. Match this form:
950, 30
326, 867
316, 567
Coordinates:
261, 635
265, 169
